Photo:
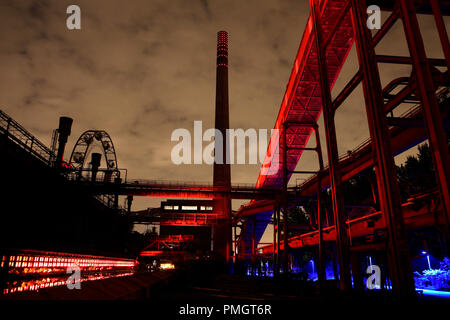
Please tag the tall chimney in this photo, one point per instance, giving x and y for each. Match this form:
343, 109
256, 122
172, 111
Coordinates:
95, 164
65, 126
222, 235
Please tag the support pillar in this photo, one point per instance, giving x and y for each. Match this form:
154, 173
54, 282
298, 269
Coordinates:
284, 204
389, 194
321, 271
342, 243
253, 258
443, 36
116, 196
426, 92
276, 240
129, 203
358, 280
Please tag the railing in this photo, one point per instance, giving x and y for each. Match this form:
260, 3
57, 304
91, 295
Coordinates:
103, 175
175, 238
168, 183
105, 199
16, 133
189, 219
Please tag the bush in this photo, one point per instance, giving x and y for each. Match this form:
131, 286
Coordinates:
438, 279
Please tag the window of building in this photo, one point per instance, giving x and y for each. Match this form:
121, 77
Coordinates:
188, 207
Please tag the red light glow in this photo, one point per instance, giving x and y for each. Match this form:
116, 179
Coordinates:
49, 282
35, 262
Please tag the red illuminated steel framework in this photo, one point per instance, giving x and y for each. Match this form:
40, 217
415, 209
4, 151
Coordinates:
332, 28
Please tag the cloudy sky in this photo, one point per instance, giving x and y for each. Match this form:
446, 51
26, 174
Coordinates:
140, 69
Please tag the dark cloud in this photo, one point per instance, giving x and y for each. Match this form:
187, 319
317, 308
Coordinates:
39, 9
205, 6
151, 49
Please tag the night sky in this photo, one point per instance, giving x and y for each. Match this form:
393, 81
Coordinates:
140, 69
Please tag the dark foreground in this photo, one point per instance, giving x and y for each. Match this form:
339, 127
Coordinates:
188, 292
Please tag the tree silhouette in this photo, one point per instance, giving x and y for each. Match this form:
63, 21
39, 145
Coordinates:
417, 174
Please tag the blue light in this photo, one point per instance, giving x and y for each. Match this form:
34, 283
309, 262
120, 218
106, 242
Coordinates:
424, 252
436, 293
435, 280
312, 274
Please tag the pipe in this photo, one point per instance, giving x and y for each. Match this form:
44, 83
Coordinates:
95, 164
64, 130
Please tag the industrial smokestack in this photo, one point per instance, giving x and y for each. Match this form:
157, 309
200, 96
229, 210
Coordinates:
64, 130
95, 164
222, 173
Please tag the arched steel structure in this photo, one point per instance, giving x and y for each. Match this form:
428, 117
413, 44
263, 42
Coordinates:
85, 142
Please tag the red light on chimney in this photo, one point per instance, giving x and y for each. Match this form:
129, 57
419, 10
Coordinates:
222, 49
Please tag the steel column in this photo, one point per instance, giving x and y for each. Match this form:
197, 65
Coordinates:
387, 25
284, 205
400, 271
274, 243
318, 150
443, 36
235, 247
333, 159
321, 274
276, 240
253, 244
426, 91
